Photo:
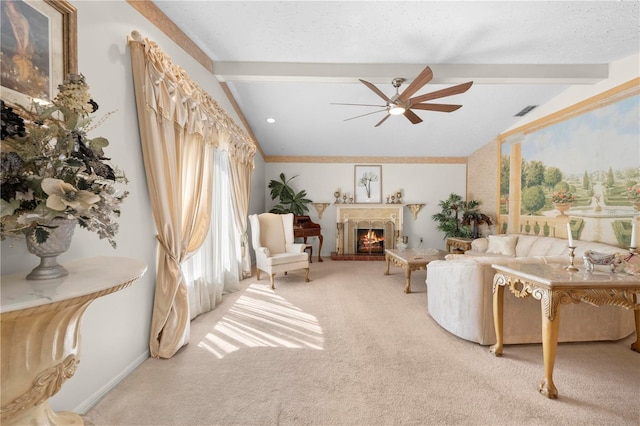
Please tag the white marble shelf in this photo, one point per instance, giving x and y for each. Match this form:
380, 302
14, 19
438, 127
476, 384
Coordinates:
86, 277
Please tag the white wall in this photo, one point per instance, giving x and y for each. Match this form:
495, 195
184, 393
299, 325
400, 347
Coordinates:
115, 328
419, 183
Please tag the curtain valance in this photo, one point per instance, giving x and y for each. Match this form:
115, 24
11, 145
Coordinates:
201, 114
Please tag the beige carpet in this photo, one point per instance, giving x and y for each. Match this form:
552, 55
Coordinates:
350, 348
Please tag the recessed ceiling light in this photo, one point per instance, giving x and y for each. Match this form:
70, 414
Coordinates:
271, 120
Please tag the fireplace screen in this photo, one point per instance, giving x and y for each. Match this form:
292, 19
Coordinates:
370, 241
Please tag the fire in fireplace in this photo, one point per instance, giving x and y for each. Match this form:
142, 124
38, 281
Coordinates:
370, 241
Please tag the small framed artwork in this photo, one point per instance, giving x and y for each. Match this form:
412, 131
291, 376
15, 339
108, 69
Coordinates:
38, 41
368, 184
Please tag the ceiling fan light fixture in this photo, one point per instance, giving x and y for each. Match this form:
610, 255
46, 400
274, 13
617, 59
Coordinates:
396, 109
405, 103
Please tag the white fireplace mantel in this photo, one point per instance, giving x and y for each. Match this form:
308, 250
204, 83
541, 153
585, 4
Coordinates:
349, 215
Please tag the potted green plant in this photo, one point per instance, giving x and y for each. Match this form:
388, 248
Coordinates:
473, 218
290, 201
459, 218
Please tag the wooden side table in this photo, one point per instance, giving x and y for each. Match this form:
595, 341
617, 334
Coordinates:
304, 227
458, 244
309, 248
41, 334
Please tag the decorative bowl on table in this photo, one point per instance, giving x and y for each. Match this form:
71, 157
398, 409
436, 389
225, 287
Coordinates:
592, 258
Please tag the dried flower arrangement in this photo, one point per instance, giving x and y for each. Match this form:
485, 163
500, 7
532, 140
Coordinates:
51, 168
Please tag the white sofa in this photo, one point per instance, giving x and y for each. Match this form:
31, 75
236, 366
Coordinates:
459, 294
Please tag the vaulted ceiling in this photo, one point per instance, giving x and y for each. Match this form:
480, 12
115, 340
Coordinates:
292, 60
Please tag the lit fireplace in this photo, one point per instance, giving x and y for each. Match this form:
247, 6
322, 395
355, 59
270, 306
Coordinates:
370, 241
353, 221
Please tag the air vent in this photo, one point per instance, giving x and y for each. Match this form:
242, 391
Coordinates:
526, 110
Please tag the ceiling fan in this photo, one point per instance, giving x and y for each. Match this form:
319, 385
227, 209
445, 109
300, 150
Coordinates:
403, 103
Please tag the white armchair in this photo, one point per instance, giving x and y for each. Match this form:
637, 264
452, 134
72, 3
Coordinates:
274, 246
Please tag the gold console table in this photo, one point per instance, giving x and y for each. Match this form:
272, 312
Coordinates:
554, 286
41, 334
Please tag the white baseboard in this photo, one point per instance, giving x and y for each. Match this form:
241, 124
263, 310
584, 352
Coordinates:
92, 400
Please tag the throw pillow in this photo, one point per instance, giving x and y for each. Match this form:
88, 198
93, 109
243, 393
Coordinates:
479, 244
502, 244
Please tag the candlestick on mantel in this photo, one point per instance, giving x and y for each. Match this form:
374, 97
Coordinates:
569, 235
633, 234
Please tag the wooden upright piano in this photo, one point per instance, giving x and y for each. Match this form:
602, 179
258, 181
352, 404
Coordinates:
304, 227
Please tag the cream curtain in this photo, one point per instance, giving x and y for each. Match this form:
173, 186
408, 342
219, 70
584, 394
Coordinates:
179, 130
240, 177
215, 269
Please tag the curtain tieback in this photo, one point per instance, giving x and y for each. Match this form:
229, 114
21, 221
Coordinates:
168, 252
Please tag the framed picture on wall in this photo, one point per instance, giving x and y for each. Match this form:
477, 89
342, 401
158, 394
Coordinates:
38, 41
368, 184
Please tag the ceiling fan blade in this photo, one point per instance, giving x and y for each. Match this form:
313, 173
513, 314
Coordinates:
382, 121
412, 117
423, 78
363, 115
338, 103
376, 90
453, 90
436, 107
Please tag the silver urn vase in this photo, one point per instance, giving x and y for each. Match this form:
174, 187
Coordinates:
57, 243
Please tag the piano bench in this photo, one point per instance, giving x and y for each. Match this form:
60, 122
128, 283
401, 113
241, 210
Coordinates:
309, 248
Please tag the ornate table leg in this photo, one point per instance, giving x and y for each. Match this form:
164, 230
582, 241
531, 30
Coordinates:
407, 275
498, 310
550, 327
320, 247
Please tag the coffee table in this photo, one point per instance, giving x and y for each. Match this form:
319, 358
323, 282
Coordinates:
554, 286
411, 260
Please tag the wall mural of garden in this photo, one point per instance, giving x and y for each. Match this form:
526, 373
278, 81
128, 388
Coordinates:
581, 166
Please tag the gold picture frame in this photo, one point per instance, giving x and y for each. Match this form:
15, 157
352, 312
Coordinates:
39, 45
367, 184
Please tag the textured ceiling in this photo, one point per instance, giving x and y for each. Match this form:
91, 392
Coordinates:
290, 60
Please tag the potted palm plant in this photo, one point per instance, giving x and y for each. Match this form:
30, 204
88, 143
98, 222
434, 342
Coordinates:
474, 219
459, 218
